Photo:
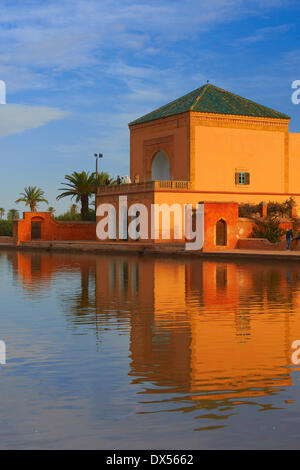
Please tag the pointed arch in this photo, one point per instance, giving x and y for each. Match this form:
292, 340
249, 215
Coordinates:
160, 168
221, 233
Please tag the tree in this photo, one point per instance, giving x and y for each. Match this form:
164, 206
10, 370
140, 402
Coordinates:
32, 196
81, 186
268, 228
13, 214
51, 210
2, 212
73, 209
102, 177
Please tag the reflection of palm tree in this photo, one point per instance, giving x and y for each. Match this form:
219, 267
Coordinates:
83, 301
32, 196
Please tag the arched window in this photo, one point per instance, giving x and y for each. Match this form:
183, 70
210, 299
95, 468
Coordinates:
160, 169
221, 233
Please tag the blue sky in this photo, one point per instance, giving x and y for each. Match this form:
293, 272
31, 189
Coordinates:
78, 71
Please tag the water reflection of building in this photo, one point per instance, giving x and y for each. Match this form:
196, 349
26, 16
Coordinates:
217, 331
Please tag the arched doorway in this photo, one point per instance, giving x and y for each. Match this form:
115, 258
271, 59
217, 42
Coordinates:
221, 233
160, 169
36, 230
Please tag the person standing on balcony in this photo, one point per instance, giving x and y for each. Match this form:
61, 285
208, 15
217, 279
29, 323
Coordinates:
118, 180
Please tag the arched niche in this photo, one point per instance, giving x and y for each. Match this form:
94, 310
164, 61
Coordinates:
160, 169
221, 233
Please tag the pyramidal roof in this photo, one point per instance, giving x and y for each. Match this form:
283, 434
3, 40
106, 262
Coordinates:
211, 99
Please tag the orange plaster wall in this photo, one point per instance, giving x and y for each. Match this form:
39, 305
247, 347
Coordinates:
214, 211
168, 134
52, 229
294, 152
228, 211
221, 151
146, 198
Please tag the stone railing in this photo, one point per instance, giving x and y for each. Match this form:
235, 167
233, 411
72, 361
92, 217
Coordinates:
146, 185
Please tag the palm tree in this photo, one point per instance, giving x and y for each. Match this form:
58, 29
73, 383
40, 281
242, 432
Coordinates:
102, 177
73, 209
80, 186
32, 196
13, 214
2, 212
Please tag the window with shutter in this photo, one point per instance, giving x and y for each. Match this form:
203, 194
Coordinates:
242, 177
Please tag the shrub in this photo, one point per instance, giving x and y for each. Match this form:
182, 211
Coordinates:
76, 217
268, 228
249, 210
283, 209
6, 228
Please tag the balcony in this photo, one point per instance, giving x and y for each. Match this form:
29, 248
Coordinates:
145, 186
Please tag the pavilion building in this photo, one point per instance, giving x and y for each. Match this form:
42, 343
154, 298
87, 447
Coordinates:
213, 146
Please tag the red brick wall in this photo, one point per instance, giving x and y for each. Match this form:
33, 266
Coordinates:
6, 239
52, 229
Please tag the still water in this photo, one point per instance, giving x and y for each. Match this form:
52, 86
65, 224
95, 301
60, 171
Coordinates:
112, 352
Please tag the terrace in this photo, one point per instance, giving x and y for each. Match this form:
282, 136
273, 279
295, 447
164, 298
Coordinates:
146, 186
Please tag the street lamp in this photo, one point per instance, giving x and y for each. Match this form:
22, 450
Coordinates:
97, 155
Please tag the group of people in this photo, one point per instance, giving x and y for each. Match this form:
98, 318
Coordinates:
123, 180
289, 237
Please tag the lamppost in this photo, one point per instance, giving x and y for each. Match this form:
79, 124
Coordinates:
97, 155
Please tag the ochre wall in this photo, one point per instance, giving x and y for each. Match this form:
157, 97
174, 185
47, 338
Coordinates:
222, 151
294, 152
52, 229
169, 135
208, 149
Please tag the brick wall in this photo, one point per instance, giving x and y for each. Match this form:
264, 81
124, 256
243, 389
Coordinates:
52, 229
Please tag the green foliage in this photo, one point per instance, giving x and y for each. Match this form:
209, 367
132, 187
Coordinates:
268, 228
32, 195
283, 209
13, 214
6, 228
249, 210
92, 215
69, 216
295, 225
82, 186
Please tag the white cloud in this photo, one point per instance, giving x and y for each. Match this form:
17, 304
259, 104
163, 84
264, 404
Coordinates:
263, 34
15, 118
40, 40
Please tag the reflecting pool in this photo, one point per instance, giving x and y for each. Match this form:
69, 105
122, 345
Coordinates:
114, 352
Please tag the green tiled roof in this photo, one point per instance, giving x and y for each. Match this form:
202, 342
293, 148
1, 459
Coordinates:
211, 99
